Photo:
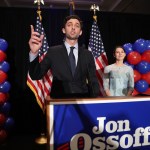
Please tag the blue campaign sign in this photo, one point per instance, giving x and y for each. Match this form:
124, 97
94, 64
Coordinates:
102, 125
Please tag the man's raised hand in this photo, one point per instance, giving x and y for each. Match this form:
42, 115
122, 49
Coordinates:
35, 41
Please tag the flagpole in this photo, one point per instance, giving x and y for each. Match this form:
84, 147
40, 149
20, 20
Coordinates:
71, 3
42, 139
97, 48
71, 7
94, 8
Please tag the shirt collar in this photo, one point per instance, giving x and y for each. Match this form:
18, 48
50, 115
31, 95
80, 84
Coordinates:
68, 46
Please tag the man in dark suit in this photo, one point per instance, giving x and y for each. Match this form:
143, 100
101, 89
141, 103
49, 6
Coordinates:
73, 67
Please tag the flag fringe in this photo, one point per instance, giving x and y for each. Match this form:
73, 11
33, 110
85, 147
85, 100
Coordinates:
35, 93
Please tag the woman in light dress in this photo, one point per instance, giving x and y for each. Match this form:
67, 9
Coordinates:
118, 78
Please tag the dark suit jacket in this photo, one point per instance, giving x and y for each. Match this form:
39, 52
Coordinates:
84, 83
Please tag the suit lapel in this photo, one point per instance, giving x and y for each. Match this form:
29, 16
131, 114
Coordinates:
65, 57
79, 61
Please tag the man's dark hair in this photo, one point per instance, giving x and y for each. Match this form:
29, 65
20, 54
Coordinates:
73, 17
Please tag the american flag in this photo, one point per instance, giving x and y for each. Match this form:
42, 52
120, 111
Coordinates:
41, 88
97, 48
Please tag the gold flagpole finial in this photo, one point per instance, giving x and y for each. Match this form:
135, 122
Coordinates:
94, 8
39, 2
72, 3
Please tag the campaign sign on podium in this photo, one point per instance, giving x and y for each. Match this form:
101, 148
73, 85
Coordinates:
99, 124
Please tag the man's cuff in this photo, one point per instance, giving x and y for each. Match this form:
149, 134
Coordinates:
32, 56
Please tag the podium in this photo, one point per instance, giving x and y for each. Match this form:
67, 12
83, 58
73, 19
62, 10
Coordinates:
98, 123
